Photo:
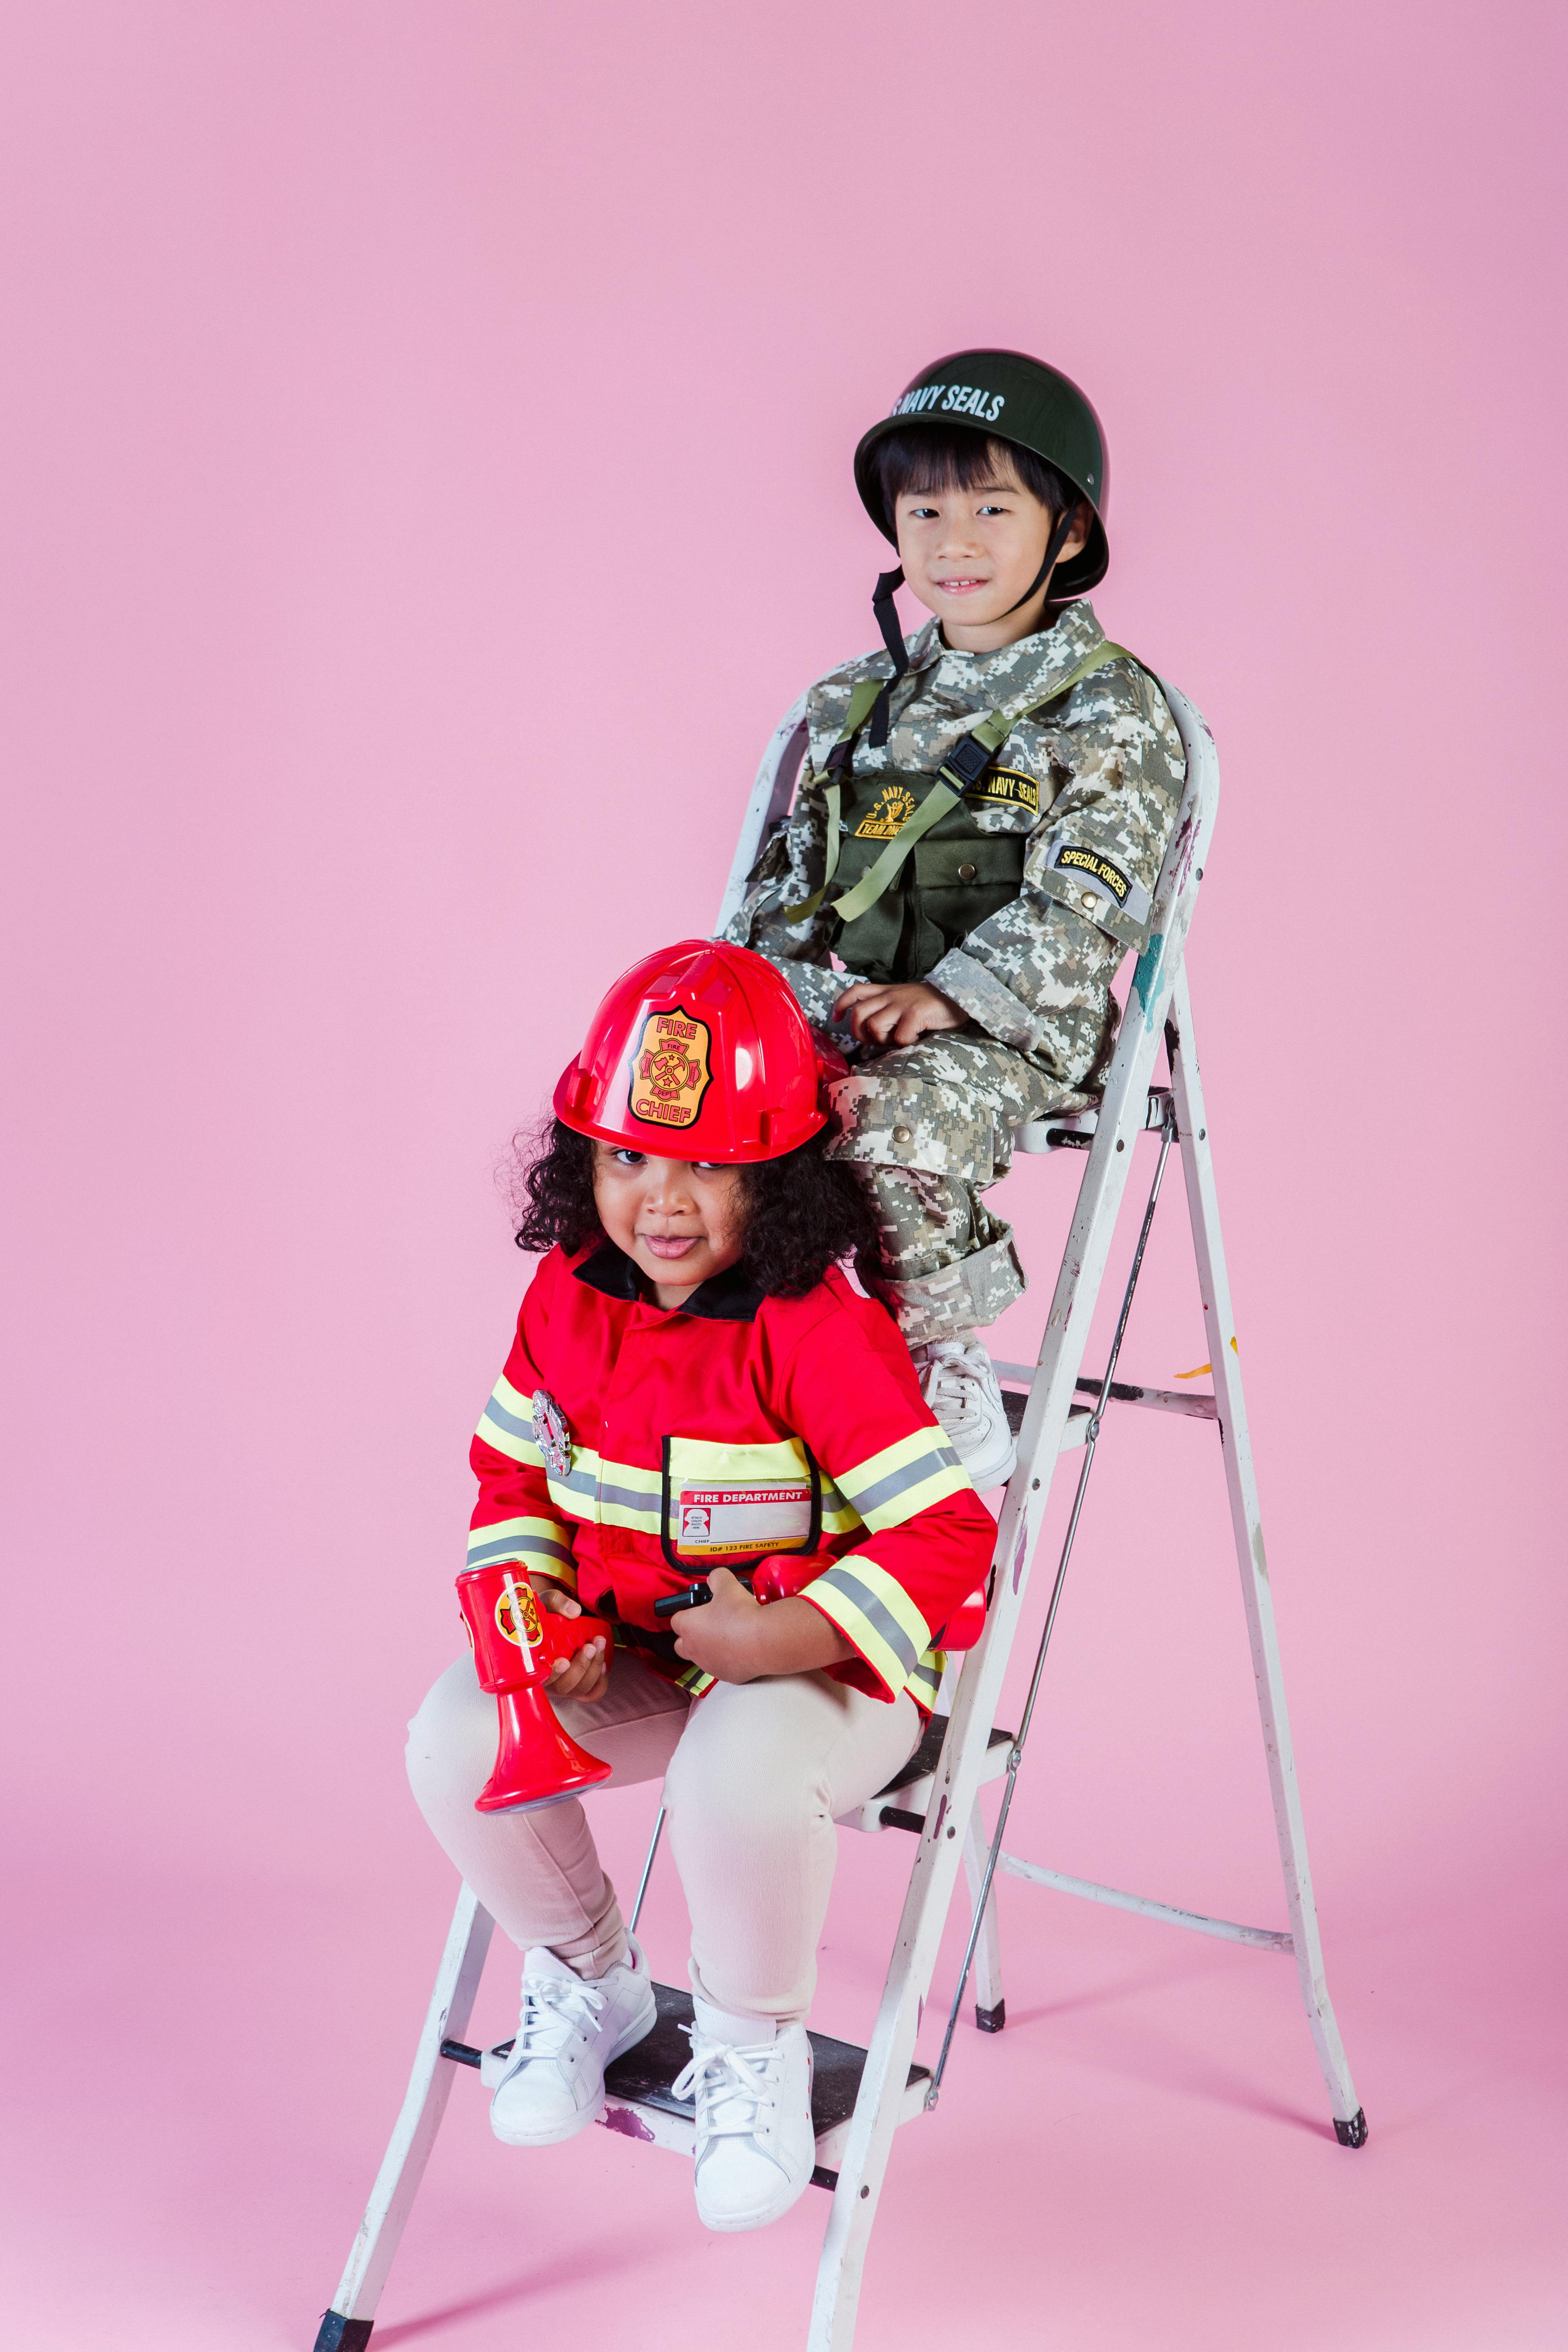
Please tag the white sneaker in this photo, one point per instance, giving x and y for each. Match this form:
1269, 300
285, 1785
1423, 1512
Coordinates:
570, 2031
755, 2146
958, 1381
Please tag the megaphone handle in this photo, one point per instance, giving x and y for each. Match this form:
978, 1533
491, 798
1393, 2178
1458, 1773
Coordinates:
696, 1596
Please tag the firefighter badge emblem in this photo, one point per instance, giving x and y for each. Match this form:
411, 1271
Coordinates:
670, 1068
550, 1433
530, 1633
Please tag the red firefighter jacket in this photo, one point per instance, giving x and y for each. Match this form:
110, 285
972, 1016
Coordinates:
715, 1434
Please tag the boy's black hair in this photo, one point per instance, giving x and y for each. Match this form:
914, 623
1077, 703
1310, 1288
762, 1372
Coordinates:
803, 1212
950, 457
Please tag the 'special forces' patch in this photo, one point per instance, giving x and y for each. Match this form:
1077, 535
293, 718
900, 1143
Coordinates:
671, 1070
1096, 866
1006, 788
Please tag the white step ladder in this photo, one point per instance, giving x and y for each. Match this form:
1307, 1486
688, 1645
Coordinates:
862, 2096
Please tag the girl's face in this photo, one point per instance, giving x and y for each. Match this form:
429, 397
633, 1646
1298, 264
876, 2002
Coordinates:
970, 555
679, 1221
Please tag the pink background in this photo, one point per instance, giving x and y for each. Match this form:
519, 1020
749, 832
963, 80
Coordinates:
427, 478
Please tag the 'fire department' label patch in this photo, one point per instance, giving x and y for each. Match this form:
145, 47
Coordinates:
712, 1520
890, 811
1096, 866
1006, 787
670, 1068
532, 1632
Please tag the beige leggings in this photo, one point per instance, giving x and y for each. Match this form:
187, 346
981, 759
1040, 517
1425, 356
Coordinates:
753, 1775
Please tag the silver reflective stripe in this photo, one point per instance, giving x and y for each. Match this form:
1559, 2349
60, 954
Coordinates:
840, 1579
626, 1498
897, 1481
507, 1421
576, 1482
509, 1547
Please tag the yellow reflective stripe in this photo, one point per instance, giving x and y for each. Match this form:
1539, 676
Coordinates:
541, 1544
701, 1462
625, 1497
507, 1423
872, 1610
883, 1599
926, 1680
891, 1486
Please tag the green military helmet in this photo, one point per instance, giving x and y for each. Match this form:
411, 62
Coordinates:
1011, 397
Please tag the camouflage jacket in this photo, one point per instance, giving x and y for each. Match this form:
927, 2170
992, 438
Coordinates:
1091, 784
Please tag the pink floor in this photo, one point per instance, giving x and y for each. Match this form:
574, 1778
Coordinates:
203, 2077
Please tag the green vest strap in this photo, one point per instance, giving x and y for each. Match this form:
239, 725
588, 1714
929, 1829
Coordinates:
867, 689
991, 733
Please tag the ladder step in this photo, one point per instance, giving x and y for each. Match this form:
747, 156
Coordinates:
640, 2105
1199, 1407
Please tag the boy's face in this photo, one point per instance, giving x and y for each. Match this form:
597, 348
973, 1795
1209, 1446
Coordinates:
969, 556
679, 1221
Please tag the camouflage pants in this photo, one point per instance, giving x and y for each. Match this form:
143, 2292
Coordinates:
932, 1125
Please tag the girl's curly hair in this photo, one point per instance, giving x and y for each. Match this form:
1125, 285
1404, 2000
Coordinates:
803, 1212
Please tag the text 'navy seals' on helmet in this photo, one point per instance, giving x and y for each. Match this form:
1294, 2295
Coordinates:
1008, 396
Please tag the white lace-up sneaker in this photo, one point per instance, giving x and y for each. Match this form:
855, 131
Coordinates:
570, 2030
958, 1381
755, 2146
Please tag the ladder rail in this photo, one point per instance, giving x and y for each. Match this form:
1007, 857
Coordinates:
1257, 1597
1123, 1116
347, 2323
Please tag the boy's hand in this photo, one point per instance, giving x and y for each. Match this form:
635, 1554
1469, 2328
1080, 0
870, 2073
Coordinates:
735, 1639
587, 1675
886, 1015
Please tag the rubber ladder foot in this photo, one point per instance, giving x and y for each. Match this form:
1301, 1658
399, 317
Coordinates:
1353, 2134
337, 2333
991, 2020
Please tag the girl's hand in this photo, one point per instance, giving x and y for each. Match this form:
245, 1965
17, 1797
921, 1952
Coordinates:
897, 1016
586, 1676
735, 1639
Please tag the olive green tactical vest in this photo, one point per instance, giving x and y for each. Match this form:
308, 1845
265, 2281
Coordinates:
954, 879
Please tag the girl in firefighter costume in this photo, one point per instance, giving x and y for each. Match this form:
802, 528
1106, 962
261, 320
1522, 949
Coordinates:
695, 1386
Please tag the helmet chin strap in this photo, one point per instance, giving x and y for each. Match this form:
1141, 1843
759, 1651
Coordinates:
1053, 549
887, 612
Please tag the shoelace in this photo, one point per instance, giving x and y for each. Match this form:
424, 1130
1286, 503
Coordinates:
734, 2089
555, 2007
959, 1386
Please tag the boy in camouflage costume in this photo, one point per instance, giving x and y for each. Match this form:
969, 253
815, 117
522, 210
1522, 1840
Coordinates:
975, 993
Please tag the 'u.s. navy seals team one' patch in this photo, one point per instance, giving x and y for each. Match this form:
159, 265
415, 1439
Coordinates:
1006, 787
1098, 867
890, 811
670, 1068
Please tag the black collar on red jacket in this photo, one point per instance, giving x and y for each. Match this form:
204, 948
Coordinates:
729, 1297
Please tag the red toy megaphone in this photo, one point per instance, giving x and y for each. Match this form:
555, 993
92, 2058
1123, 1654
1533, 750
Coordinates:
515, 1644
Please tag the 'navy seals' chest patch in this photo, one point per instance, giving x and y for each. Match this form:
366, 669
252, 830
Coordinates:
888, 814
1005, 788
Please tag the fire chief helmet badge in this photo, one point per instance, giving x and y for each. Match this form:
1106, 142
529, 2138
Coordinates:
1008, 396
550, 1433
670, 1068
700, 1052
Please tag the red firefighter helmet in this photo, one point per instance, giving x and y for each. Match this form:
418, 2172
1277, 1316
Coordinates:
700, 1052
